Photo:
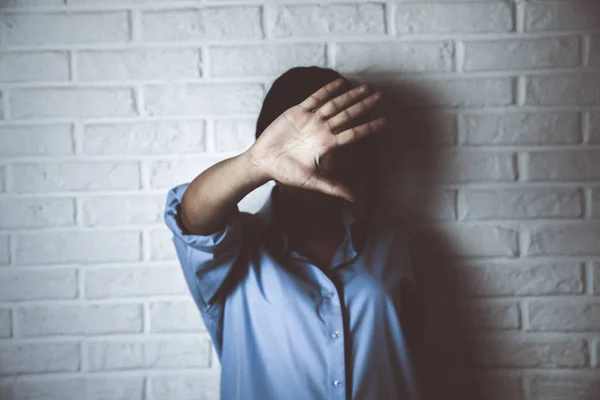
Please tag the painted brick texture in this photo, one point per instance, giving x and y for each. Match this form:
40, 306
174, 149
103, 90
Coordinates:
104, 105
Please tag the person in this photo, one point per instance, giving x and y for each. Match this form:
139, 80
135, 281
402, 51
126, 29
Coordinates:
303, 299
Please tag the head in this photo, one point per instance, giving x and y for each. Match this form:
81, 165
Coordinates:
349, 164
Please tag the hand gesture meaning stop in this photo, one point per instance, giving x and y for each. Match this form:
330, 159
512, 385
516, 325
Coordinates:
291, 148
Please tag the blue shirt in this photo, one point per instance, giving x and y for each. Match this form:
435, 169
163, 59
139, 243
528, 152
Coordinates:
285, 329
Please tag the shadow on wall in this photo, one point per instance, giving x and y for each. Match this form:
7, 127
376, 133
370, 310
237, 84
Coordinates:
411, 163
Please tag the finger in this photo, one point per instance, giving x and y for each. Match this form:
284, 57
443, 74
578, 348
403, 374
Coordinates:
344, 117
330, 187
339, 103
361, 131
321, 96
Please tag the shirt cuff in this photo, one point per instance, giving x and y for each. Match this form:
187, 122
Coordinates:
211, 241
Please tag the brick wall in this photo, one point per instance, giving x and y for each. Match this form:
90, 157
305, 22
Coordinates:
104, 105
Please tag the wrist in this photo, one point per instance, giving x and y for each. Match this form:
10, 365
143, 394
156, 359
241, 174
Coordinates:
254, 168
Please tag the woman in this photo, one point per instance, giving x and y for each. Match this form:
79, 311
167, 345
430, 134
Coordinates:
303, 298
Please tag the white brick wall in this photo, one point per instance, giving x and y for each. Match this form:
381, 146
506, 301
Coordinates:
104, 105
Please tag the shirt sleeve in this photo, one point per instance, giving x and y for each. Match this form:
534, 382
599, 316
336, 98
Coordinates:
206, 260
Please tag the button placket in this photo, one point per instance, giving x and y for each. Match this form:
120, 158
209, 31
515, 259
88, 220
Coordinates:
330, 311
335, 324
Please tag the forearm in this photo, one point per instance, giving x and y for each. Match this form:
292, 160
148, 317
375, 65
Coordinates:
213, 194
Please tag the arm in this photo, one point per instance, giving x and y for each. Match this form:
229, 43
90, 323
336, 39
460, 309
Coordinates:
213, 195
207, 225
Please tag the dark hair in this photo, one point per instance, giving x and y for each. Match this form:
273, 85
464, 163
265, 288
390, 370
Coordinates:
295, 85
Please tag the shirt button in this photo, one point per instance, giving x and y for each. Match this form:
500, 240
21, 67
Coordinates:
335, 334
337, 383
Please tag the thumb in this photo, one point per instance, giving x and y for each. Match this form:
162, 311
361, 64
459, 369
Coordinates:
330, 187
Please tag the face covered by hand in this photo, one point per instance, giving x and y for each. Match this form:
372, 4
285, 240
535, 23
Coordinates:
345, 164
342, 164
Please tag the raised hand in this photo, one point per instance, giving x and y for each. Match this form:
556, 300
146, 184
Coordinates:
291, 148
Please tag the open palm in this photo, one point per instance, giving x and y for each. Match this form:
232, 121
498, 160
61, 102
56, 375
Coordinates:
291, 148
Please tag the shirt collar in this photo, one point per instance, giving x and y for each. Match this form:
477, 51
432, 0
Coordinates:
353, 217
